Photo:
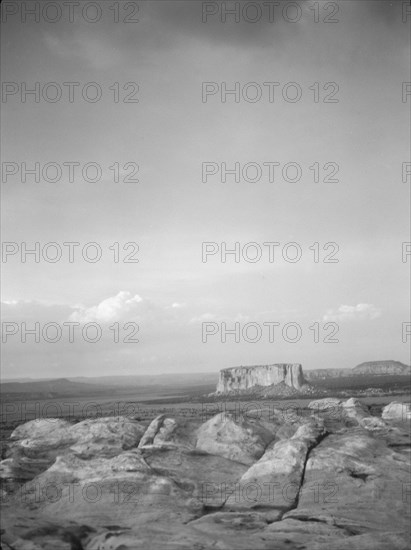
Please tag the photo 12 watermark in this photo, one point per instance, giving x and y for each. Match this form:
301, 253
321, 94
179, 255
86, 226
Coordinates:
270, 332
406, 172
270, 172
70, 172
90, 492
406, 92
271, 11
267, 493
69, 11
406, 332
406, 252
68, 252
269, 252
68, 332
69, 92
270, 92
52, 410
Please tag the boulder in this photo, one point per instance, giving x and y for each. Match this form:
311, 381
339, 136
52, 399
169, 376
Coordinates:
105, 436
36, 444
151, 431
42, 428
234, 437
326, 404
397, 411
342, 413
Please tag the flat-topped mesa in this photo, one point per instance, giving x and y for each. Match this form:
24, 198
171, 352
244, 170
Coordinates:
244, 378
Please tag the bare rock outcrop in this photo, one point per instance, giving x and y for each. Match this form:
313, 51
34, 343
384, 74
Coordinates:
355, 481
274, 481
338, 487
36, 444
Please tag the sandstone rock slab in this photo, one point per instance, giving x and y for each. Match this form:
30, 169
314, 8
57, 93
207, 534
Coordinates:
274, 481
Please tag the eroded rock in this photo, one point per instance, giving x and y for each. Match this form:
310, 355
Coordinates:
202, 486
36, 444
356, 481
274, 481
325, 404
234, 437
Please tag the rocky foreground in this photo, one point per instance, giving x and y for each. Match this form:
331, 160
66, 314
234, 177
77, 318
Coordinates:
331, 478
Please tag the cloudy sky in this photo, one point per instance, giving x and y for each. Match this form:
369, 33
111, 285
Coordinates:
351, 119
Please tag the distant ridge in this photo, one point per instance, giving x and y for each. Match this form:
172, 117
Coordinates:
382, 367
374, 368
326, 373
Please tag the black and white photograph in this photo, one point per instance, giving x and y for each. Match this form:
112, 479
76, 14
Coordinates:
205, 266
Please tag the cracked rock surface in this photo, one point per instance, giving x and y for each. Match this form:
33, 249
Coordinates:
334, 478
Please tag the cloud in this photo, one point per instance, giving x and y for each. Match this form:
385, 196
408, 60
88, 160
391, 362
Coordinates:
81, 45
124, 306
348, 313
204, 317
110, 309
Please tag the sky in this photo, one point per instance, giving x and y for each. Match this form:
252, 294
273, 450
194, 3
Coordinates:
344, 110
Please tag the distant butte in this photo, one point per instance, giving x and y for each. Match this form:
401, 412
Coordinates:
244, 378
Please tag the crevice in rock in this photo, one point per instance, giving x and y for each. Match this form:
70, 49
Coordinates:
357, 475
350, 531
75, 542
115, 527
308, 519
206, 511
294, 505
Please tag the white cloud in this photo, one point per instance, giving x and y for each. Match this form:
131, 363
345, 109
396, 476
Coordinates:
348, 313
110, 309
204, 317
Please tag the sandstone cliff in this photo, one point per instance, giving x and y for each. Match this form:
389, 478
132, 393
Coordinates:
244, 378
